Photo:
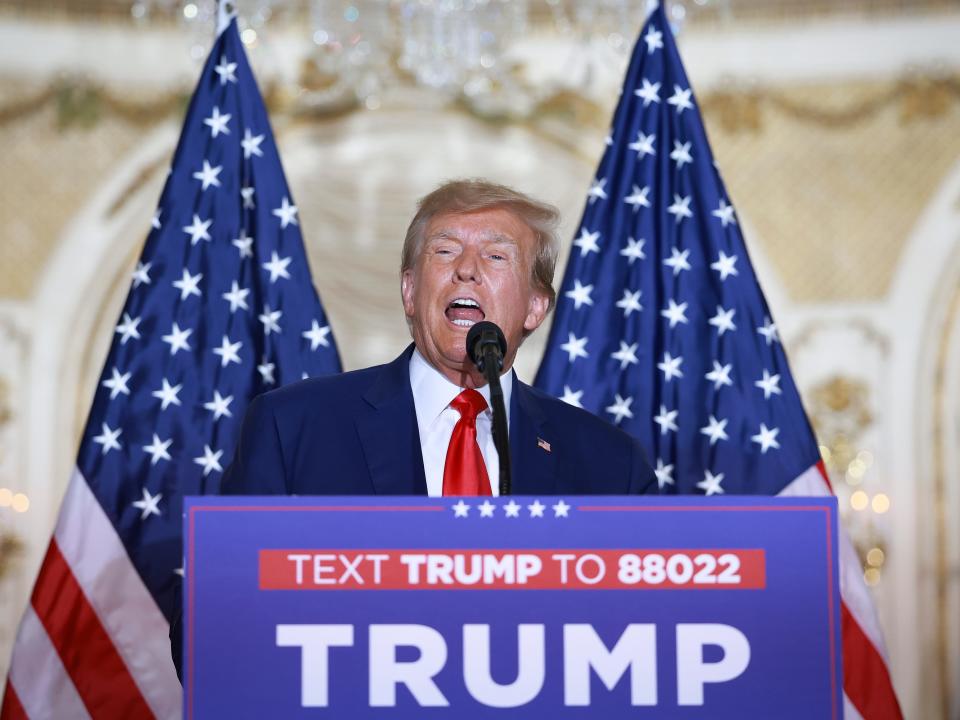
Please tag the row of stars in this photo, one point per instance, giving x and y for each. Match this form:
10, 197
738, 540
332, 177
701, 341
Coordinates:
109, 440
511, 509
589, 241
711, 483
199, 229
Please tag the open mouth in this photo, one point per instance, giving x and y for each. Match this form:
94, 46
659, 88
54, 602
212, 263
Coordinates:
464, 312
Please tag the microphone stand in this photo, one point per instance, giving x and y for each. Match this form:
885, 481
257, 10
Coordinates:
501, 438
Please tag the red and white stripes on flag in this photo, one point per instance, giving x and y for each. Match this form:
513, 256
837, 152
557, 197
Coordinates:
93, 642
867, 686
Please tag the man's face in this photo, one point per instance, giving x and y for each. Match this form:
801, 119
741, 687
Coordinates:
472, 267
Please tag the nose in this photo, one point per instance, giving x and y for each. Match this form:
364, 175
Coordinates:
467, 267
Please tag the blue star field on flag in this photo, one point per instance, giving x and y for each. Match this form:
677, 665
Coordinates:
661, 325
221, 307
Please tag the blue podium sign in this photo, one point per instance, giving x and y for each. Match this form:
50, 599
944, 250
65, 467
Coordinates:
575, 607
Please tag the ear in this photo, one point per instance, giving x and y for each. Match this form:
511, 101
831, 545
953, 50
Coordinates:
406, 292
536, 311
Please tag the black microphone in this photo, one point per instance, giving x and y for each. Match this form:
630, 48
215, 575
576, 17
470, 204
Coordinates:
486, 347
485, 341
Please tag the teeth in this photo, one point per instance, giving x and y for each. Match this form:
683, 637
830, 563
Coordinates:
466, 301
463, 323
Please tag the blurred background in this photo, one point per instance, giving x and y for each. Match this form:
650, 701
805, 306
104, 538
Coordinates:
836, 126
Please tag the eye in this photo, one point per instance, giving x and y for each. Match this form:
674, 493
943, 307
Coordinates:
498, 256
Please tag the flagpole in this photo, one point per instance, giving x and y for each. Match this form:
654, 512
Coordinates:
226, 11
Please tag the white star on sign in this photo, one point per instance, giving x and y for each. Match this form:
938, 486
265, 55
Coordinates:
596, 191
228, 351
664, 474
572, 398
630, 302
108, 439
208, 175
680, 99
317, 335
247, 194
197, 230
580, 294
681, 154
653, 39
620, 408
287, 213
266, 372
725, 265
725, 213
634, 250
670, 367
587, 242
680, 208
177, 339
575, 347
188, 284
536, 509
167, 394
643, 145
560, 509
158, 449
675, 313
769, 331
626, 355
650, 92
666, 420
117, 384
486, 509
210, 460
277, 267
723, 320
149, 505
269, 319
766, 438
715, 430
218, 122
512, 509
770, 384
677, 261
638, 198
141, 275
244, 244
219, 406
711, 483
720, 375
251, 144
237, 297
128, 329
460, 509
225, 71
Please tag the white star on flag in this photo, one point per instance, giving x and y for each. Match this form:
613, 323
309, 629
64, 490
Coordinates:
228, 351
210, 461
670, 367
634, 250
251, 145
572, 398
769, 331
141, 275
587, 242
277, 267
664, 474
128, 329
770, 384
626, 355
158, 449
677, 261
680, 99
177, 339
720, 375
208, 176
630, 302
620, 408
675, 313
638, 198
715, 430
237, 297
580, 294
723, 320
681, 154
225, 70
666, 420
317, 335
681, 207
243, 244
247, 194
270, 319
596, 191
287, 213
725, 265
766, 438
167, 394
653, 39
117, 383
219, 406
575, 347
711, 483
725, 213
108, 439
217, 122
643, 145
149, 505
650, 92
197, 230
266, 372
187, 284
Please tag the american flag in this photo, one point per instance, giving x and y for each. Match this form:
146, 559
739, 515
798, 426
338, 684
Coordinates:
221, 307
662, 328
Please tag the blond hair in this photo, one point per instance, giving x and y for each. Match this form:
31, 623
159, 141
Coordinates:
466, 196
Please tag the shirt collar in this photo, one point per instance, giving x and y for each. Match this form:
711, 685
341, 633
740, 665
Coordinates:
433, 392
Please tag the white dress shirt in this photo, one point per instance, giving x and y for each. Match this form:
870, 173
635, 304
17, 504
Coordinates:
432, 395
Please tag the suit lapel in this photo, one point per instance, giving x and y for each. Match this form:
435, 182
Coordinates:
389, 433
534, 467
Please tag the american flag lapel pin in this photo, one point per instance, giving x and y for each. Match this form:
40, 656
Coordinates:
543, 444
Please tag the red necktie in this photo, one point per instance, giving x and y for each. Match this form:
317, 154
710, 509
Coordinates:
464, 472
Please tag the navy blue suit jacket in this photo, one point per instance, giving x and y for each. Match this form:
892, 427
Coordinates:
356, 434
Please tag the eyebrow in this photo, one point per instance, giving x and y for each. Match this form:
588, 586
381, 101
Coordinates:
488, 237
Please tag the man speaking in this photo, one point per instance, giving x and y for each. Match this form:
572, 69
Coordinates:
422, 424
